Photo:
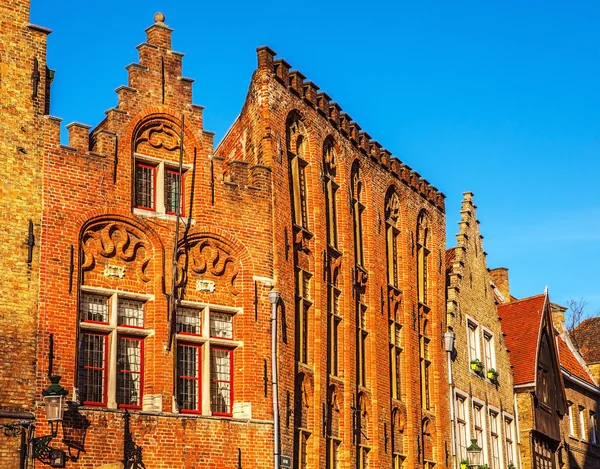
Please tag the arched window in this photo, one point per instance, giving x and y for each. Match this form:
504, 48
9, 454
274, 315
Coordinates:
427, 439
334, 441
422, 256
296, 148
397, 428
425, 362
357, 213
301, 433
392, 222
329, 170
363, 433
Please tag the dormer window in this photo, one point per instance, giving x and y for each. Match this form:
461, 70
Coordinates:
158, 186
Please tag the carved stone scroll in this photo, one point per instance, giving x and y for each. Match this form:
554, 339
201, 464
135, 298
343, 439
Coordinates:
158, 135
113, 240
209, 258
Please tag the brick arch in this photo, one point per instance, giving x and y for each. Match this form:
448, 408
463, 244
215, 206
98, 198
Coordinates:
125, 246
157, 113
422, 230
296, 118
392, 208
213, 251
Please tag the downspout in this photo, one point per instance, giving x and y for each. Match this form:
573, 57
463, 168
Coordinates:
274, 299
517, 430
449, 338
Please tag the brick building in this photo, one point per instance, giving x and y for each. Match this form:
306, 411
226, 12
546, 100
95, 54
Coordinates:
580, 436
481, 374
586, 338
24, 92
157, 254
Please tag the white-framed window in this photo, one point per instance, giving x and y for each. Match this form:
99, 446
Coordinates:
205, 355
509, 439
473, 340
582, 429
571, 419
495, 440
479, 427
489, 356
461, 426
158, 186
111, 348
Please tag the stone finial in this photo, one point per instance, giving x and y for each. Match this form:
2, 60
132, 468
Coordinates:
159, 18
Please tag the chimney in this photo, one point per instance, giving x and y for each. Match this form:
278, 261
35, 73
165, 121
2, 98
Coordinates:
558, 316
500, 279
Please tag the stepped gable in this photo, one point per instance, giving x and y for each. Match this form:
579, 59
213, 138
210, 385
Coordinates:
155, 86
521, 321
587, 338
332, 112
570, 363
455, 257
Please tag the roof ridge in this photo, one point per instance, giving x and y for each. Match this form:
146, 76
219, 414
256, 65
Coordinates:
523, 299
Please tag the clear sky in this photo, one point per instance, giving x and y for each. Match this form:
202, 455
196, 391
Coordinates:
498, 98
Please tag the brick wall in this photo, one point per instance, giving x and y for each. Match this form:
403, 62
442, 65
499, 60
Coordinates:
471, 298
22, 108
276, 94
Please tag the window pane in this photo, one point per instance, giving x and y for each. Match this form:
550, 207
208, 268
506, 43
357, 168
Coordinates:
221, 325
92, 368
93, 308
144, 186
129, 372
188, 321
188, 384
131, 313
220, 381
172, 191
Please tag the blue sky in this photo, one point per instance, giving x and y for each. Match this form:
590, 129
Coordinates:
498, 98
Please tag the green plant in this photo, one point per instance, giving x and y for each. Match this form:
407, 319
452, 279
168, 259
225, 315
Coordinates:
483, 466
464, 464
492, 374
476, 365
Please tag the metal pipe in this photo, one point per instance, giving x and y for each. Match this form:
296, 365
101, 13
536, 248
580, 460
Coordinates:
7, 414
452, 420
274, 299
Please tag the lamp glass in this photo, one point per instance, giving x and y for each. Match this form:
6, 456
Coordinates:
474, 453
54, 408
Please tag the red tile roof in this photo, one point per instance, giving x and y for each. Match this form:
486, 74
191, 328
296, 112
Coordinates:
587, 338
571, 364
521, 324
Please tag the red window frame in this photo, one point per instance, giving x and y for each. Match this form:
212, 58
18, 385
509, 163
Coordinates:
90, 321
104, 371
141, 373
230, 381
120, 324
182, 195
153, 168
198, 380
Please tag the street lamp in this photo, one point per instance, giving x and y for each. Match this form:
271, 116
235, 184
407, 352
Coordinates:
474, 453
54, 399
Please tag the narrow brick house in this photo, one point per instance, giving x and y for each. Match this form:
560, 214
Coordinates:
157, 254
24, 93
481, 375
580, 446
538, 379
586, 338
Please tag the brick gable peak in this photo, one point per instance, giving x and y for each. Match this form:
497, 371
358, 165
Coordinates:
310, 94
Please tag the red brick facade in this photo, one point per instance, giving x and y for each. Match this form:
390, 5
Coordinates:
257, 214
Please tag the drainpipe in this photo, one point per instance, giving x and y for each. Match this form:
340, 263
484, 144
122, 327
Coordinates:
449, 338
274, 299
